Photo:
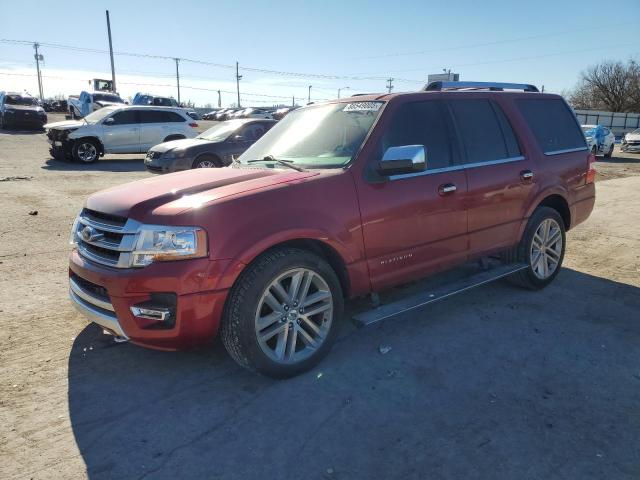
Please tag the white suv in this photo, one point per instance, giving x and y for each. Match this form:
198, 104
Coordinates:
118, 129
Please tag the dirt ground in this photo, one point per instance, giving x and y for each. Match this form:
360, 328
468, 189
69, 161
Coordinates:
496, 383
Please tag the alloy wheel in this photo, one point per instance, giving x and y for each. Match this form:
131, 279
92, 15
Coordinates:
546, 249
294, 316
205, 164
87, 152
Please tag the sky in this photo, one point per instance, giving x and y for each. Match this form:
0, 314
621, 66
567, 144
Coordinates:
283, 47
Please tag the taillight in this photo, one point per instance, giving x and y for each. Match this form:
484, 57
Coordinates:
193, 125
591, 172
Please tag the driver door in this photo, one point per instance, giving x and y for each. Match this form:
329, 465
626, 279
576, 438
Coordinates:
415, 223
121, 132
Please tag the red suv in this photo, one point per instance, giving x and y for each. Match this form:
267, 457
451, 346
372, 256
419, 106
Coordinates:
338, 200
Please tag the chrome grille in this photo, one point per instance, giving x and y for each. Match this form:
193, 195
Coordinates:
106, 239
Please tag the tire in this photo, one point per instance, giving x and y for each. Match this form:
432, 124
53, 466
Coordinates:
1, 122
534, 277
86, 150
609, 154
248, 314
594, 150
207, 161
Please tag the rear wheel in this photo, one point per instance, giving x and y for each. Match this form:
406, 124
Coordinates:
542, 248
86, 150
282, 315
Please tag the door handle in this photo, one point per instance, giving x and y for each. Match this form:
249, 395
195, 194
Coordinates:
526, 175
447, 189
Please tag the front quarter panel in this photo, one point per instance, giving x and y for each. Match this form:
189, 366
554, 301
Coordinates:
322, 208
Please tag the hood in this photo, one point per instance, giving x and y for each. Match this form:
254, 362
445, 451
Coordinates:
632, 136
182, 144
66, 124
170, 195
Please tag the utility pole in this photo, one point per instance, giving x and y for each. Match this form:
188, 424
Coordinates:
219, 99
178, 77
38, 57
113, 68
238, 78
293, 100
309, 97
343, 88
390, 84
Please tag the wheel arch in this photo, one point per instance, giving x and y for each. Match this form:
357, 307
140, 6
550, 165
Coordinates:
313, 245
175, 136
559, 204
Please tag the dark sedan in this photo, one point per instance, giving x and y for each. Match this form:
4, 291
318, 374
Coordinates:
215, 147
21, 110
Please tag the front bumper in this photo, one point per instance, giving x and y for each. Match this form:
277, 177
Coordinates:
200, 288
161, 165
630, 147
25, 121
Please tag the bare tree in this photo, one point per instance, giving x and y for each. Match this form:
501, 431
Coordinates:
612, 86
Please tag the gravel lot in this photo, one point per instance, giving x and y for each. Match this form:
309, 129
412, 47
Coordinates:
496, 383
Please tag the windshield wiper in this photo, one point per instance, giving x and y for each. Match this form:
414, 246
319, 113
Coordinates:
279, 161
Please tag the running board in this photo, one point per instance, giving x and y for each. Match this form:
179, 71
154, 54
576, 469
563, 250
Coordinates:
421, 299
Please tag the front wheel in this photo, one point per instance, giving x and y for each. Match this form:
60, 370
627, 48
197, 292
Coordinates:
609, 154
542, 248
206, 161
86, 151
282, 315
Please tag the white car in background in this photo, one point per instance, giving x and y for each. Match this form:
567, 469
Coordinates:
600, 139
118, 129
631, 141
257, 113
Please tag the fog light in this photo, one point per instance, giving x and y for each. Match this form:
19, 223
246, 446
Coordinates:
152, 313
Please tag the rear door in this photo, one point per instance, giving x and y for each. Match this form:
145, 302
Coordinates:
500, 179
413, 225
123, 134
154, 128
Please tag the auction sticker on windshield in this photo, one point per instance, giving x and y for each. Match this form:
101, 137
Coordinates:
363, 107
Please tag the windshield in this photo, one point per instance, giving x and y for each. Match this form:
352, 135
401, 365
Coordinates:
20, 100
98, 115
221, 131
106, 97
321, 136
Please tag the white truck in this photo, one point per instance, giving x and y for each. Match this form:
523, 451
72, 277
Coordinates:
88, 102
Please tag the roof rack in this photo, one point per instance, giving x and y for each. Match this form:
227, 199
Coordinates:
493, 86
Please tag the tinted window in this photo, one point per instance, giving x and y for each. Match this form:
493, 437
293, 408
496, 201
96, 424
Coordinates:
553, 125
158, 116
421, 123
481, 126
125, 117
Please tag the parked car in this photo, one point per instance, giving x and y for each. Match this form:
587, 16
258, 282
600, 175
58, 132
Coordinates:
88, 102
224, 114
256, 113
599, 139
338, 200
193, 114
215, 147
155, 100
20, 110
280, 113
118, 129
631, 141
212, 114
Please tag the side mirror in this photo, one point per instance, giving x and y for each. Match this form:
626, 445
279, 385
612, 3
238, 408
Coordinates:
404, 159
108, 121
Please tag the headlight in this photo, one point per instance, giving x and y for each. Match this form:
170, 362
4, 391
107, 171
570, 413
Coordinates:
73, 238
173, 154
158, 243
